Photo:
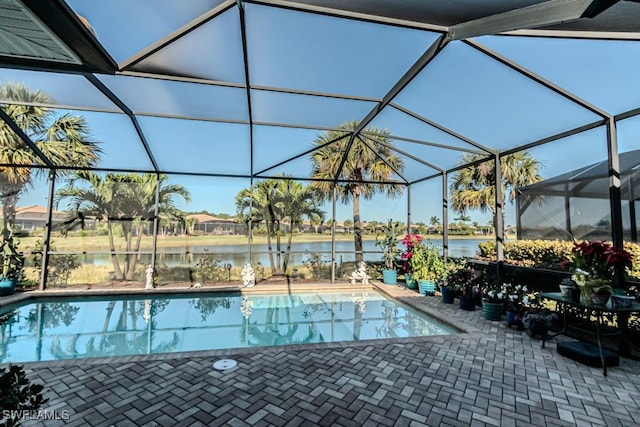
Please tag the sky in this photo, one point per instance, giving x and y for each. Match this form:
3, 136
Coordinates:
461, 89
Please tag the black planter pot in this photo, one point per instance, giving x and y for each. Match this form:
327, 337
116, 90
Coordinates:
448, 295
467, 304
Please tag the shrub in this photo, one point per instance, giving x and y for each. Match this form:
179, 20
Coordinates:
17, 393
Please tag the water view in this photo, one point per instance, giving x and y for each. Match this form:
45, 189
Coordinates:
238, 254
88, 327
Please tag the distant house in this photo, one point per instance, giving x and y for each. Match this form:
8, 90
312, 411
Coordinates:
213, 225
32, 218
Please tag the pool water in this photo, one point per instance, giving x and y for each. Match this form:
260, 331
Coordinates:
89, 327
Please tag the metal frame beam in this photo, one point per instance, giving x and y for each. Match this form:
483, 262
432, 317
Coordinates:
125, 109
537, 15
182, 31
433, 50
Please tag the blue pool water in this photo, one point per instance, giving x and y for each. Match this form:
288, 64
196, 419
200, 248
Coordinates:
90, 327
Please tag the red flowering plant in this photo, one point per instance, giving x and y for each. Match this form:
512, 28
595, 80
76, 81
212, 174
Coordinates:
409, 241
599, 261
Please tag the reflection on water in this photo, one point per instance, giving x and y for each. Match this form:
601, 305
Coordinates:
238, 254
99, 328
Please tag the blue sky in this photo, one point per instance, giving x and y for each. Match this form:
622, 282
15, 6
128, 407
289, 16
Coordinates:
461, 89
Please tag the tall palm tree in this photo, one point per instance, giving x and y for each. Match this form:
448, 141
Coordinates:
360, 172
434, 220
125, 199
474, 187
64, 139
277, 202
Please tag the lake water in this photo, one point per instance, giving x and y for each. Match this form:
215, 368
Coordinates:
238, 254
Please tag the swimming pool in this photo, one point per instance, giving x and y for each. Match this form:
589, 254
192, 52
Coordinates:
89, 327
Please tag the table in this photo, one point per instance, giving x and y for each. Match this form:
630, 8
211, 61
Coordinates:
622, 317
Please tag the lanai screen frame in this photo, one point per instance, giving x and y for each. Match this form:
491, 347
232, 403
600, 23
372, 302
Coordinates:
94, 59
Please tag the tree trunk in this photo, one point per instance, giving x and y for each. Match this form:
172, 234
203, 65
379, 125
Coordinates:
269, 246
10, 197
114, 257
357, 228
287, 252
134, 257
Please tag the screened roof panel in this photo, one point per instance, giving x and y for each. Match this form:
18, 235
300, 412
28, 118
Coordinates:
272, 144
314, 52
436, 156
401, 124
306, 110
468, 92
212, 51
120, 144
603, 72
197, 146
415, 170
166, 97
63, 90
125, 27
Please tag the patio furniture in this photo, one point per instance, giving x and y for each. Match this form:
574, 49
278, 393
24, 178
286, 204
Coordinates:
584, 353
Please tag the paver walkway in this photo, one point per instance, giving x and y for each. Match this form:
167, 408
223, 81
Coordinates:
490, 375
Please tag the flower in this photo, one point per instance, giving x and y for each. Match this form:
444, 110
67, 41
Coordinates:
598, 259
410, 241
493, 292
517, 296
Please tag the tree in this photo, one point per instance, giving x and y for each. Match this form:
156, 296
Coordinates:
277, 202
348, 224
474, 187
63, 138
434, 221
361, 171
125, 199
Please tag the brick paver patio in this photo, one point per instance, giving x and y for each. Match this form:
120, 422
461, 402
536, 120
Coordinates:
489, 375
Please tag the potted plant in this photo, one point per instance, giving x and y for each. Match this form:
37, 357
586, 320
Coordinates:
537, 321
389, 245
457, 275
598, 267
12, 263
493, 300
409, 241
517, 297
428, 267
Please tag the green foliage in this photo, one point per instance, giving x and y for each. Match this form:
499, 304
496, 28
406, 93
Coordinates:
318, 264
60, 265
208, 269
427, 264
389, 244
552, 254
12, 259
530, 253
17, 393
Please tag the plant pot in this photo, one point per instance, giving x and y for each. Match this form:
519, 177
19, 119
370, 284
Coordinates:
448, 295
389, 277
537, 329
409, 282
514, 319
7, 286
566, 291
492, 310
468, 304
427, 287
600, 298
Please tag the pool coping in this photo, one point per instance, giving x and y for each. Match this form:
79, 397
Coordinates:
397, 292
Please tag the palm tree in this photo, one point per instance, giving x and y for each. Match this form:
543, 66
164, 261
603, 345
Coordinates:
474, 187
361, 170
276, 202
64, 139
434, 220
125, 199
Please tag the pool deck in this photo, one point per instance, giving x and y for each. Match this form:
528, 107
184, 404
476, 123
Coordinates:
488, 375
